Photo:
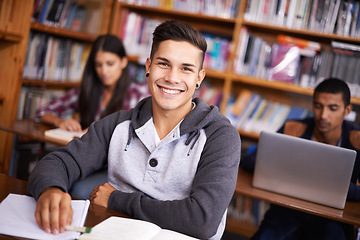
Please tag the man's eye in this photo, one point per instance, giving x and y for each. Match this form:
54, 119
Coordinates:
163, 64
188, 69
333, 109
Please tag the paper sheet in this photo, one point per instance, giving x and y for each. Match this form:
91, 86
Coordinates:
17, 218
115, 228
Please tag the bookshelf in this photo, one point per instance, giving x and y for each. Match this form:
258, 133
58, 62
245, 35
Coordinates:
14, 39
13, 42
261, 25
58, 48
231, 82
210, 20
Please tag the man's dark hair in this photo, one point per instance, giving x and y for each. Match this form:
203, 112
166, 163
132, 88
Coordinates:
178, 31
334, 85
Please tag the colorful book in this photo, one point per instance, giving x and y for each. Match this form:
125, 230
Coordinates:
284, 63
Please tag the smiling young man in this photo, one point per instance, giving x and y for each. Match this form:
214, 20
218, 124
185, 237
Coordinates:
331, 104
172, 160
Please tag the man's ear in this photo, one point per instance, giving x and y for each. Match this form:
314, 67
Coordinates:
348, 109
201, 76
148, 64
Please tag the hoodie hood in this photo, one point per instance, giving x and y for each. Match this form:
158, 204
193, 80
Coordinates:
198, 118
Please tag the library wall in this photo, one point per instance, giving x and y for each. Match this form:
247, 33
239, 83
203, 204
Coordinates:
263, 60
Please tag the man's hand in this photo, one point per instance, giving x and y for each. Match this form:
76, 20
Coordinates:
53, 210
101, 194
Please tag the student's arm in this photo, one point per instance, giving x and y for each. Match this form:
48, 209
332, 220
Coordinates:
248, 161
66, 124
354, 192
199, 214
57, 110
354, 188
61, 168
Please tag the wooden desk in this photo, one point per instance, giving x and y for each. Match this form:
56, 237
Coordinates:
29, 128
96, 214
350, 214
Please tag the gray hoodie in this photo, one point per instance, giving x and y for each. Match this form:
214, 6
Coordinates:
184, 183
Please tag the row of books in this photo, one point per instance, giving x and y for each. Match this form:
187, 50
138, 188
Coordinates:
211, 94
68, 14
331, 16
246, 209
217, 8
280, 61
297, 61
136, 34
217, 53
56, 59
252, 112
31, 99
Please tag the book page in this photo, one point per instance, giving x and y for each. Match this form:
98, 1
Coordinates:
18, 219
115, 228
62, 134
168, 234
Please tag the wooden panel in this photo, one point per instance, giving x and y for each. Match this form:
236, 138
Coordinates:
11, 25
12, 57
245, 229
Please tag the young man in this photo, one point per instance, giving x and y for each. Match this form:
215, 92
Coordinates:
331, 103
173, 160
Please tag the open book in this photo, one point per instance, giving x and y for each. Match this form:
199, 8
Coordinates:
17, 218
115, 228
62, 135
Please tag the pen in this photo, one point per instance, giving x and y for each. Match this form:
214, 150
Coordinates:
78, 229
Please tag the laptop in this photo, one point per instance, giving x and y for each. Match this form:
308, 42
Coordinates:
303, 169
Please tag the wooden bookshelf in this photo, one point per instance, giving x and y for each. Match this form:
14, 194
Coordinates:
14, 33
2, 97
316, 36
242, 228
81, 36
53, 84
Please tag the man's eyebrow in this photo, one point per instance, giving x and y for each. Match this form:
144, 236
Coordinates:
163, 59
189, 65
184, 64
334, 105
330, 105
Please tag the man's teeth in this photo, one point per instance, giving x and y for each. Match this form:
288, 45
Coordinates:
170, 91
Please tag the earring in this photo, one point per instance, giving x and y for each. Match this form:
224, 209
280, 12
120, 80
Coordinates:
197, 86
147, 74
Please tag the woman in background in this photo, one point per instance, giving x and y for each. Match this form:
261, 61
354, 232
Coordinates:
105, 88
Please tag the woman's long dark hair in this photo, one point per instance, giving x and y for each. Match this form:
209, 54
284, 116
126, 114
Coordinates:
91, 87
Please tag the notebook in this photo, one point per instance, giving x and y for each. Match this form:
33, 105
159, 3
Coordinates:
303, 169
17, 218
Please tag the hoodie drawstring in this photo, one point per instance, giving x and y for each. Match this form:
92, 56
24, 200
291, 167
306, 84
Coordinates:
131, 135
193, 135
